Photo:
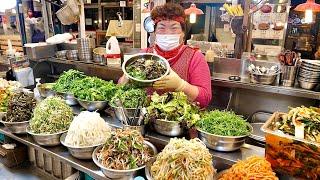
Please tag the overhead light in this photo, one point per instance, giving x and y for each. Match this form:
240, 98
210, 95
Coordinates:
192, 12
309, 8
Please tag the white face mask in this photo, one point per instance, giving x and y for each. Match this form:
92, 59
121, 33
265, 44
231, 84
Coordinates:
168, 42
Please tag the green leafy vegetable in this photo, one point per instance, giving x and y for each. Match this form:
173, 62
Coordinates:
93, 89
223, 123
65, 82
173, 106
129, 97
51, 115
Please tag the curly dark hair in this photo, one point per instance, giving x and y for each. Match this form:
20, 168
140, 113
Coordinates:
169, 11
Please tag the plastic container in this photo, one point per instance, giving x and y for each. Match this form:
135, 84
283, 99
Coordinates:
113, 52
290, 155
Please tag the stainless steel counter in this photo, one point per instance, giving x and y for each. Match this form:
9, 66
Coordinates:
220, 79
221, 160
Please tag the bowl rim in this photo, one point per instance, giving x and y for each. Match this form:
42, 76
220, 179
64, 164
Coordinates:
257, 74
231, 137
313, 83
95, 160
34, 134
90, 101
62, 140
124, 108
146, 81
163, 120
22, 122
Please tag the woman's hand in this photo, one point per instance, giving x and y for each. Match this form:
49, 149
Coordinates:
171, 81
123, 80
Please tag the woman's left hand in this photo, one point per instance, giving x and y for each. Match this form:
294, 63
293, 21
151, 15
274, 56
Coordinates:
171, 81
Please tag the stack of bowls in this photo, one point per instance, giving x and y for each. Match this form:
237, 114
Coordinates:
309, 74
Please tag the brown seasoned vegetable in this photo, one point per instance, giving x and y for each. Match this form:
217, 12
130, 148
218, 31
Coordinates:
20, 108
146, 69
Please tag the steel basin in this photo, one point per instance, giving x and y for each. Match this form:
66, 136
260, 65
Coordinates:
69, 98
120, 174
263, 78
168, 128
84, 152
93, 105
222, 143
46, 139
17, 127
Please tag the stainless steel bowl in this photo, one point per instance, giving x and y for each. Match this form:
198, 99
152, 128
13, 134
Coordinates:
120, 174
45, 90
145, 56
69, 98
46, 139
263, 78
84, 152
307, 85
311, 63
93, 105
222, 143
16, 127
308, 69
168, 128
311, 80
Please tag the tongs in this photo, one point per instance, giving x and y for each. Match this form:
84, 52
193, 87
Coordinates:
123, 111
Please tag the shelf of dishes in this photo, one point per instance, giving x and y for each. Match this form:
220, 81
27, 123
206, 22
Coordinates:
223, 80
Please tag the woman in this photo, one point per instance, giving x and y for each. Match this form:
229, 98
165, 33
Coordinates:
189, 70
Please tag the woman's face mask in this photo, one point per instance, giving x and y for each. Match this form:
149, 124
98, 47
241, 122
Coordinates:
169, 35
168, 42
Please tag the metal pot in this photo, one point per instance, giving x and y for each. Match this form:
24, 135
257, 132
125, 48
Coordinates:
120, 174
84, 152
46, 139
69, 98
16, 127
222, 143
168, 128
263, 78
93, 105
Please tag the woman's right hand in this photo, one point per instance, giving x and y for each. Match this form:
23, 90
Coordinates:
123, 80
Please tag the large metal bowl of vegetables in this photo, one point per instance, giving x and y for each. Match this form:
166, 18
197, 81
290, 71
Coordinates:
146, 68
16, 127
120, 174
84, 152
223, 130
46, 139
93, 105
223, 143
168, 128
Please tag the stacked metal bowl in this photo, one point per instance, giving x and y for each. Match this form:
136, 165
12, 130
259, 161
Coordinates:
309, 74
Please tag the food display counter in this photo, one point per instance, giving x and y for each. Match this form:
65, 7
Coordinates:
221, 160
